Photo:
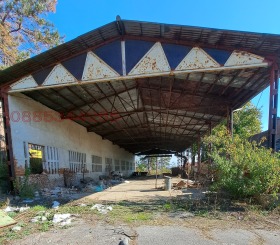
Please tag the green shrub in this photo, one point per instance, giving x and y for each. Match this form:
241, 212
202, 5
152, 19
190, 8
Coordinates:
242, 168
23, 187
4, 177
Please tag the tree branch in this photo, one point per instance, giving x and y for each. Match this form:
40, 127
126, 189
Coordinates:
15, 30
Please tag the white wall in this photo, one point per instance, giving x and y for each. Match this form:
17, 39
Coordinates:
65, 135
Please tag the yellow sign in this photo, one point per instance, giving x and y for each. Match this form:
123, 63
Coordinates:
35, 153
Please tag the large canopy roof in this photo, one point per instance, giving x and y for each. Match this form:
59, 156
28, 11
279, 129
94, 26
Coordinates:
145, 85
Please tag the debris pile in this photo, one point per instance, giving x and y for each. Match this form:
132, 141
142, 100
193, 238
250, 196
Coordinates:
62, 219
58, 192
184, 183
102, 208
16, 209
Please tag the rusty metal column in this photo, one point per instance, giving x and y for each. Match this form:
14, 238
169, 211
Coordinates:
210, 145
273, 104
198, 153
8, 137
230, 121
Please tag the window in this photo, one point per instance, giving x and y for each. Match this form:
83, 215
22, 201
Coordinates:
36, 158
96, 163
117, 165
127, 166
108, 165
52, 160
123, 166
77, 161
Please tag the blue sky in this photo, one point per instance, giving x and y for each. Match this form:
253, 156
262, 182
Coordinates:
73, 18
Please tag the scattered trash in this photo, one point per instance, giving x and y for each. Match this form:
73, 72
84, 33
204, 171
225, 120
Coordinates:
55, 204
102, 208
17, 209
62, 219
35, 219
16, 228
99, 188
22, 209
10, 209
39, 219
126, 181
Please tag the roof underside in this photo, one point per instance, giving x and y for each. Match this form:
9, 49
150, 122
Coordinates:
167, 109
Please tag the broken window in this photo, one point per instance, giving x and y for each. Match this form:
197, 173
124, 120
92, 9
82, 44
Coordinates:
108, 165
77, 161
96, 163
36, 158
117, 165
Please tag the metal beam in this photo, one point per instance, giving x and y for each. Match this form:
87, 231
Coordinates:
96, 101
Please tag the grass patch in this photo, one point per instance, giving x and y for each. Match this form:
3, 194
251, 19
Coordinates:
128, 214
38, 208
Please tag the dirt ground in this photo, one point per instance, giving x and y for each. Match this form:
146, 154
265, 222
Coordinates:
137, 198
136, 189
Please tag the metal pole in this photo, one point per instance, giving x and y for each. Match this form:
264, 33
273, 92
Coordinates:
210, 150
198, 153
156, 171
231, 123
273, 104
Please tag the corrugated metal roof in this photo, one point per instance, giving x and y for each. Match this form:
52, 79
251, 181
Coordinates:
163, 111
258, 43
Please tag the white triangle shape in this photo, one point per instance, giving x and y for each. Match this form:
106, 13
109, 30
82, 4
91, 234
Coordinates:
59, 75
24, 83
96, 68
154, 61
197, 58
238, 58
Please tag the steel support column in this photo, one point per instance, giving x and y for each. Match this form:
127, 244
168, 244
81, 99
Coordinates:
273, 104
8, 137
198, 153
209, 145
230, 121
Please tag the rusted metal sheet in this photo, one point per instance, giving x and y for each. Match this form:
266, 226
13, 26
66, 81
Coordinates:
154, 61
95, 68
59, 75
238, 58
197, 59
24, 83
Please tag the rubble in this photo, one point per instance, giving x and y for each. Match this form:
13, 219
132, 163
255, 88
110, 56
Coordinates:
62, 219
39, 219
17, 209
16, 228
184, 183
102, 208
